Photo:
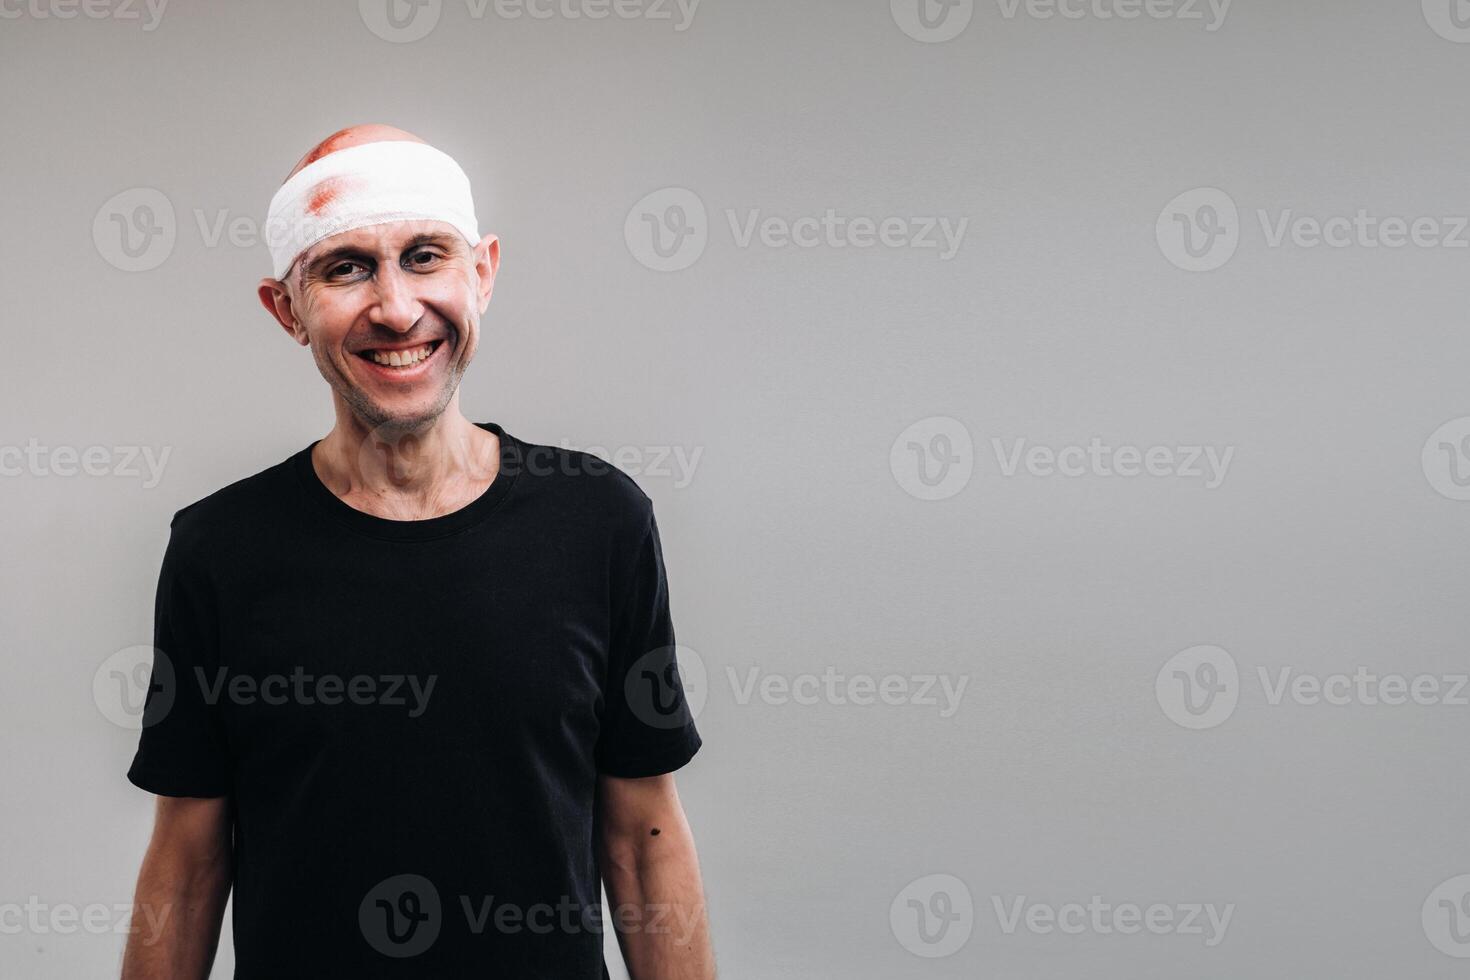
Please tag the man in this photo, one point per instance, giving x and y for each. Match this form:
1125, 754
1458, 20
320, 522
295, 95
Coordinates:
414, 690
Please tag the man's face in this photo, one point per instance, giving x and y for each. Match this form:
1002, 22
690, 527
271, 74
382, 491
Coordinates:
392, 315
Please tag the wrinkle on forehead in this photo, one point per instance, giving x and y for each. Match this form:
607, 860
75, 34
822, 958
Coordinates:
386, 238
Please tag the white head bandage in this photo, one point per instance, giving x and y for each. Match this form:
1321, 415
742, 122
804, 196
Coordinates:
367, 184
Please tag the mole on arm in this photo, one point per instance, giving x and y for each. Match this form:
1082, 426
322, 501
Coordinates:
653, 832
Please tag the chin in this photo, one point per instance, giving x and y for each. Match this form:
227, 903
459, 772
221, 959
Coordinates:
396, 417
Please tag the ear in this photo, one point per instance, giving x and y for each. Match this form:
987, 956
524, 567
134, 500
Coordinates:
275, 297
487, 264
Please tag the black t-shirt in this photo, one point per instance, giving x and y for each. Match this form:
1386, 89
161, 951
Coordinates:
410, 716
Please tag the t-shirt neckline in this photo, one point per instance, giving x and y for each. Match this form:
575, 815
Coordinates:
467, 516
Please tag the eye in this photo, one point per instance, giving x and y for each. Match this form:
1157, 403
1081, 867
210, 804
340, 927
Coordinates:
342, 270
421, 258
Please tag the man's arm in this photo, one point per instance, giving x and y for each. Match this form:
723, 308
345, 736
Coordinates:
182, 888
651, 872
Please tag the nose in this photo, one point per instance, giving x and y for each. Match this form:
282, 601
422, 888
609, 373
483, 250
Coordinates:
395, 306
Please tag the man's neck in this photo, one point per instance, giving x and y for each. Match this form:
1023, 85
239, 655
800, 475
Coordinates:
414, 475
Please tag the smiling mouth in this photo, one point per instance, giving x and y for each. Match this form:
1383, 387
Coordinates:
400, 359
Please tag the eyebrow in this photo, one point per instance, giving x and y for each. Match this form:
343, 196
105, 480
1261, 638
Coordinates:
341, 252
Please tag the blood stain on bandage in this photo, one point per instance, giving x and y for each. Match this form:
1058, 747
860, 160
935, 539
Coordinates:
325, 194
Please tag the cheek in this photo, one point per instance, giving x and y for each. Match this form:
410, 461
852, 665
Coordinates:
455, 301
328, 317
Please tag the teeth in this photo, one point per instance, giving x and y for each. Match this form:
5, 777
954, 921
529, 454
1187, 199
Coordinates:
404, 358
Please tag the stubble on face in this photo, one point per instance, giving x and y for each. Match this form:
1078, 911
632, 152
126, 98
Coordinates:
373, 416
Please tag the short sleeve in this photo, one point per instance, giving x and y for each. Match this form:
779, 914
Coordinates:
647, 725
182, 749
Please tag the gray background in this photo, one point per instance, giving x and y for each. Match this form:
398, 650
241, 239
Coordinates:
797, 545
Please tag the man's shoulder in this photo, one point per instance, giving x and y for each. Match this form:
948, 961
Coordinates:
588, 482
234, 508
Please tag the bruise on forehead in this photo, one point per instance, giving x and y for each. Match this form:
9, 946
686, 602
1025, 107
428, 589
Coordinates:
353, 136
329, 145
